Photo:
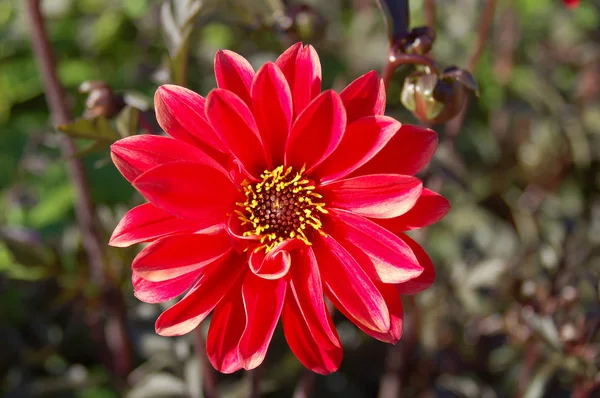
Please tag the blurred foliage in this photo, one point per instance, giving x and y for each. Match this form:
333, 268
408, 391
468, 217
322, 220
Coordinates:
516, 305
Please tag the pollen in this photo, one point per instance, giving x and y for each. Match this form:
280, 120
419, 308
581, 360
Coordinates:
284, 205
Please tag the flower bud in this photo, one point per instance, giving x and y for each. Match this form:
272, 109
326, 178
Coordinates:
101, 100
436, 99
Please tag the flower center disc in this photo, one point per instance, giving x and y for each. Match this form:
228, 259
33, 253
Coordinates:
280, 207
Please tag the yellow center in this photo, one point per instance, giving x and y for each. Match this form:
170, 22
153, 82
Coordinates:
282, 206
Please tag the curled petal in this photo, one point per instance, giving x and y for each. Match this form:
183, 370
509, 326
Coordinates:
429, 208
234, 73
172, 256
233, 121
347, 285
139, 153
424, 280
180, 112
147, 222
302, 69
226, 327
409, 150
317, 132
159, 292
362, 140
381, 254
272, 108
307, 324
376, 195
276, 263
208, 199
263, 302
215, 282
394, 305
365, 96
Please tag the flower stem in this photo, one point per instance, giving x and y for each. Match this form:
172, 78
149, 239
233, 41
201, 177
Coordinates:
209, 381
430, 13
117, 342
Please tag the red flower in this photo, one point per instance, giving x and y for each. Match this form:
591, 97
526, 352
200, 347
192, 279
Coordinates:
571, 3
270, 195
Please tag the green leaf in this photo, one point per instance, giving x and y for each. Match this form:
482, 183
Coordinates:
95, 129
127, 121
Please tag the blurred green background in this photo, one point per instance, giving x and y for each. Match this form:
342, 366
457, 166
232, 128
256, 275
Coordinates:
515, 309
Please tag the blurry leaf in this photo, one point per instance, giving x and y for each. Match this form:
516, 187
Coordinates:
127, 121
92, 148
26, 246
545, 327
496, 204
537, 386
14, 270
156, 385
397, 17
95, 129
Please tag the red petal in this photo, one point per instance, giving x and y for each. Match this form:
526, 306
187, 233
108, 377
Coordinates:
362, 140
159, 292
226, 327
394, 304
189, 190
234, 73
236, 127
376, 195
365, 96
307, 324
263, 301
276, 263
147, 222
348, 285
180, 112
302, 69
214, 283
424, 280
381, 254
407, 152
317, 132
139, 153
272, 108
429, 208
172, 256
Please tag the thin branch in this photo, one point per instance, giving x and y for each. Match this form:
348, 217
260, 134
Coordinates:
209, 381
487, 17
118, 342
430, 13
305, 386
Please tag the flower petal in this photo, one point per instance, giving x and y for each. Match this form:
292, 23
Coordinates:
139, 153
394, 305
375, 195
381, 254
272, 108
233, 121
159, 292
226, 327
180, 112
189, 190
146, 223
424, 280
263, 302
429, 208
307, 323
302, 69
409, 150
362, 140
276, 263
234, 73
348, 285
365, 96
172, 256
215, 282
317, 132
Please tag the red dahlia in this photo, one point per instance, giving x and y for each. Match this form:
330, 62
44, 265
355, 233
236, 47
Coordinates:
268, 195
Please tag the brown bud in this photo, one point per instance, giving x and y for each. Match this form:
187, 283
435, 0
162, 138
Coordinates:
436, 99
304, 22
418, 41
101, 100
